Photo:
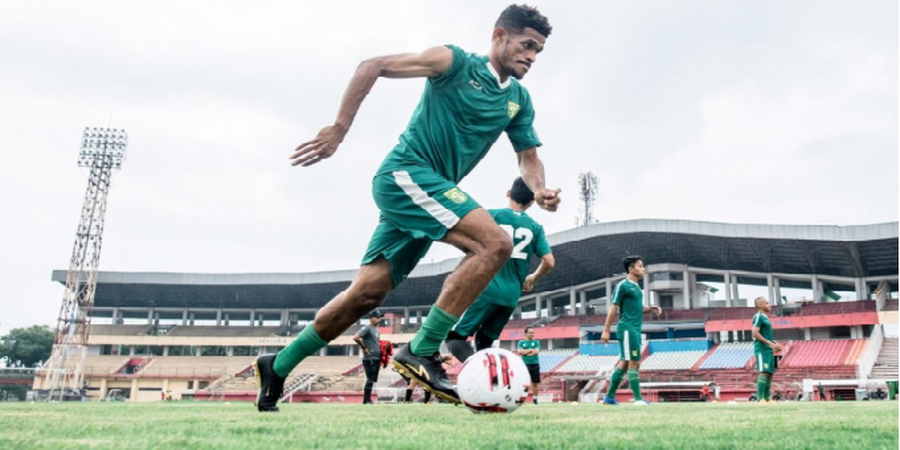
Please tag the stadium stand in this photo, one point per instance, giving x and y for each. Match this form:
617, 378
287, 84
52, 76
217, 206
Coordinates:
584, 363
886, 366
223, 331
672, 360
193, 366
103, 365
119, 330
823, 353
549, 359
729, 355
820, 309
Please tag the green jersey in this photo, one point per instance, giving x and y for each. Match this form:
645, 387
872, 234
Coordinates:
528, 240
629, 297
461, 114
533, 344
761, 321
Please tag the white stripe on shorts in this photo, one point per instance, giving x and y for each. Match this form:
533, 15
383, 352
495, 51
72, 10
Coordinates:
626, 346
759, 365
443, 215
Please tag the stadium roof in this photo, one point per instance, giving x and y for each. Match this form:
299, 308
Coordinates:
583, 255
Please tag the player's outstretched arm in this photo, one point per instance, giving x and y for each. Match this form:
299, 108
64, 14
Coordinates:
532, 170
430, 63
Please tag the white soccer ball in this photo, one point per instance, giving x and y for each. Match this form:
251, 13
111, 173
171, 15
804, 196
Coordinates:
493, 381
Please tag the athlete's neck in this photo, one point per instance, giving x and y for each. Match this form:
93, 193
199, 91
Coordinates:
633, 278
495, 63
517, 206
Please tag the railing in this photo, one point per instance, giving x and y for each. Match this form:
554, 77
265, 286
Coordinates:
867, 361
298, 383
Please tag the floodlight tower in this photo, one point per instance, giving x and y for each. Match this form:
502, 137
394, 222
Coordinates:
102, 153
587, 187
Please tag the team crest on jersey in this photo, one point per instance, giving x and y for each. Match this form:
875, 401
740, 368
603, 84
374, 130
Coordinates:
634, 353
456, 196
513, 109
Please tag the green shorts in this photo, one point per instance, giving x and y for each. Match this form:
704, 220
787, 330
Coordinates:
417, 207
629, 344
484, 317
765, 362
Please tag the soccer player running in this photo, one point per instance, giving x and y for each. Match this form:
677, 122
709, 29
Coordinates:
492, 310
529, 349
468, 102
764, 349
629, 298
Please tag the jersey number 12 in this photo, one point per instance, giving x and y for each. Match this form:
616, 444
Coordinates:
524, 234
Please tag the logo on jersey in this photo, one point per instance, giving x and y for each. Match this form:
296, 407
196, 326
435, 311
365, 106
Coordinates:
456, 196
475, 84
634, 353
513, 109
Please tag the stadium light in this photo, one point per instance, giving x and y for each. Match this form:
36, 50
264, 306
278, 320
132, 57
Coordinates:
103, 147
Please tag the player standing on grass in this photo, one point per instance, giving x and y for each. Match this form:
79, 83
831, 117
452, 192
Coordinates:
764, 349
368, 339
628, 297
468, 102
486, 317
529, 349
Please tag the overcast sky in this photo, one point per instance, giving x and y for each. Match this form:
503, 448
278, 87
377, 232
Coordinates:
732, 111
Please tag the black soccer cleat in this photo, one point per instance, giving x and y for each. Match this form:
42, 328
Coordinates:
271, 386
428, 371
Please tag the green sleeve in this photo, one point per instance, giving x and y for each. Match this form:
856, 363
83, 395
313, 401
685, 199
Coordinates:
521, 345
538, 347
521, 129
459, 61
541, 246
618, 294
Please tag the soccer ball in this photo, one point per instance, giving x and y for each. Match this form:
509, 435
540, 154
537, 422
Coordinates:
493, 381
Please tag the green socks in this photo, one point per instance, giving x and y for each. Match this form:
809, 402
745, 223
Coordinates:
761, 388
306, 343
768, 388
614, 382
435, 329
634, 380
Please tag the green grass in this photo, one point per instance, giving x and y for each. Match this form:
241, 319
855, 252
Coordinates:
857, 425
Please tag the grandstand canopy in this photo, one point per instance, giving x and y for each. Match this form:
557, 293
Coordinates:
583, 255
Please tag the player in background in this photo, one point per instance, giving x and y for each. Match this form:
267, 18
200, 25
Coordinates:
764, 350
492, 310
629, 298
529, 349
468, 102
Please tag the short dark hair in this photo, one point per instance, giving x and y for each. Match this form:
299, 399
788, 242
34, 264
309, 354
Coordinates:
630, 261
528, 328
520, 193
516, 18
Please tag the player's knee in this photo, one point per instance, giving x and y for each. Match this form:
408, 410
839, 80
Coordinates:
498, 251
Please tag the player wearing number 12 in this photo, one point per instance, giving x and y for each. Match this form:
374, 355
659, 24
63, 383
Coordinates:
491, 311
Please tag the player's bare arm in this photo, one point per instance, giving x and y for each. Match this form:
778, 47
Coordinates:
430, 63
358, 339
532, 170
653, 309
547, 264
613, 309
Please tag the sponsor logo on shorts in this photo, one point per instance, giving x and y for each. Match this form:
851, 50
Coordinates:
456, 196
513, 109
634, 353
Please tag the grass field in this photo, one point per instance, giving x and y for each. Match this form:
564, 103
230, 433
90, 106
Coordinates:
204, 425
